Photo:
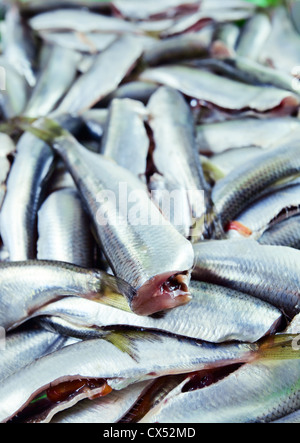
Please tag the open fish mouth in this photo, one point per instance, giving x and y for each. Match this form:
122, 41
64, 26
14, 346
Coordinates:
162, 292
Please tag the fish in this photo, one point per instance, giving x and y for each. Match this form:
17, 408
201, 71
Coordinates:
32, 167
61, 66
291, 418
7, 150
266, 212
173, 131
224, 40
80, 20
284, 233
63, 230
133, 10
96, 367
160, 282
110, 409
24, 346
253, 36
19, 45
27, 286
254, 269
220, 91
96, 82
215, 314
259, 392
125, 139
235, 192
216, 138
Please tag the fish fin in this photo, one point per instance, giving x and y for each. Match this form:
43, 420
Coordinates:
126, 341
45, 129
113, 291
279, 347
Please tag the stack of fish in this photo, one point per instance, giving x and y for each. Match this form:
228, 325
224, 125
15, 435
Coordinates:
150, 212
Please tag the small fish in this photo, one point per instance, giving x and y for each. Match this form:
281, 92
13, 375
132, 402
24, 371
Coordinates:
284, 233
215, 314
27, 286
96, 367
259, 392
7, 149
254, 269
160, 282
14, 90
133, 9
224, 40
253, 36
221, 91
63, 230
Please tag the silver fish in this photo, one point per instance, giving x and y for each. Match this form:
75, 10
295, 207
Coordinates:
61, 66
215, 314
247, 266
27, 286
110, 409
14, 90
31, 168
7, 148
160, 282
291, 418
116, 366
81, 21
255, 393
216, 138
63, 230
23, 347
133, 9
224, 40
173, 129
96, 82
125, 138
284, 233
221, 91
253, 36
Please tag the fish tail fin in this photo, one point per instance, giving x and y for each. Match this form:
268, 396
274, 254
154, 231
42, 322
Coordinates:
45, 129
279, 347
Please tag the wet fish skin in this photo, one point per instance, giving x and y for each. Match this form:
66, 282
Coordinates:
27, 286
252, 268
32, 166
215, 314
63, 230
253, 36
100, 359
96, 82
220, 91
224, 40
285, 233
240, 188
61, 66
125, 138
255, 393
146, 239
15, 96
7, 149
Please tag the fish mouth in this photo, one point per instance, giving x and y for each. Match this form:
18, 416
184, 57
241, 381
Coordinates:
162, 292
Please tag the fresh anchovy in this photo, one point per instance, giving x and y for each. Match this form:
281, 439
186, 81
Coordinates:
238, 189
19, 46
294, 326
23, 347
224, 40
63, 230
133, 357
125, 137
7, 148
27, 286
110, 409
151, 255
175, 48
253, 36
220, 91
96, 82
28, 175
266, 211
14, 90
78, 41
284, 233
133, 9
216, 138
135, 90
215, 314
255, 393
251, 268
81, 21
173, 130
61, 66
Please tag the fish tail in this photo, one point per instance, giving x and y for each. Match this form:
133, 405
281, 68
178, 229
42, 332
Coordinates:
45, 129
279, 347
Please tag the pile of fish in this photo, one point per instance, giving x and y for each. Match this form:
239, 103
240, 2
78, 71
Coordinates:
150, 212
